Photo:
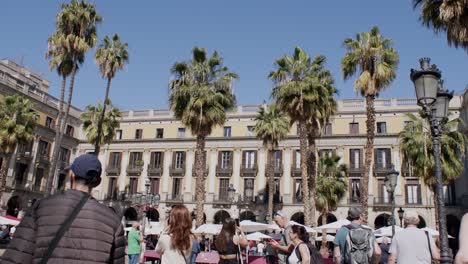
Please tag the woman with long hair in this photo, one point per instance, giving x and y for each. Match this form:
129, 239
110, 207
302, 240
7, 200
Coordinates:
175, 245
300, 239
228, 242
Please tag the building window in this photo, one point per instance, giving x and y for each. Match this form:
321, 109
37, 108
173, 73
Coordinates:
114, 159
227, 131
138, 133
354, 128
277, 155
154, 185
112, 188
381, 127
226, 159
156, 159
64, 155
179, 160
223, 189
249, 189
325, 153
328, 129
70, 131
297, 191
355, 158
413, 192
249, 159
118, 134
133, 185
449, 194
176, 187
43, 149
250, 131
382, 158
135, 158
355, 190
160, 133
49, 122
298, 159
384, 196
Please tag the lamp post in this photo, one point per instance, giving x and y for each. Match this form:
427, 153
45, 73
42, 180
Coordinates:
434, 101
390, 184
400, 215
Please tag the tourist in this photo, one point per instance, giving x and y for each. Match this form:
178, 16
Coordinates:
285, 246
462, 255
228, 242
134, 244
96, 224
4, 235
260, 247
412, 245
385, 248
175, 245
300, 239
347, 251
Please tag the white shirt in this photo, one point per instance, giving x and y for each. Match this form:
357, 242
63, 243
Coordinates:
410, 246
260, 247
293, 258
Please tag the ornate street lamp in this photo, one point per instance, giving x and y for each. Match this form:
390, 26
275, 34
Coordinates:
390, 184
400, 215
435, 102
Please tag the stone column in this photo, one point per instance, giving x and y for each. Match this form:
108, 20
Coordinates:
397, 164
189, 168
287, 163
165, 175
144, 173
32, 164
98, 192
261, 163
123, 170
212, 172
236, 168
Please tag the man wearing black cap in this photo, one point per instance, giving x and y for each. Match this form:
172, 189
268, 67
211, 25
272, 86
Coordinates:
70, 227
355, 243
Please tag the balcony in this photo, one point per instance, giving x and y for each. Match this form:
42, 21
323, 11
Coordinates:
174, 198
278, 171
246, 200
113, 170
134, 169
222, 201
43, 159
382, 203
63, 164
295, 172
380, 170
356, 171
177, 172
223, 172
354, 201
405, 171
249, 172
155, 171
24, 152
206, 171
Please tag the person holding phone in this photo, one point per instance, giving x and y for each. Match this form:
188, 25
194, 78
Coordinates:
228, 242
285, 246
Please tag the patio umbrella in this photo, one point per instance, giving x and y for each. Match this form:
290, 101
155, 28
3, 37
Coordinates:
154, 228
433, 232
251, 226
334, 226
330, 238
386, 231
308, 229
257, 236
209, 229
9, 220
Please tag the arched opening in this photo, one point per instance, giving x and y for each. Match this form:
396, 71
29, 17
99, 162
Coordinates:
194, 216
14, 206
382, 220
220, 217
330, 219
153, 215
247, 215
422, 222
298, 218
131, 214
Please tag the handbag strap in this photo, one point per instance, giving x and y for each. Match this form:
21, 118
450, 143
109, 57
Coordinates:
63, 228
428, 243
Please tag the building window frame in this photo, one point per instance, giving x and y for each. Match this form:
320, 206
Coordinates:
227, 131
138, 133
381, 127
159, 132
354, 128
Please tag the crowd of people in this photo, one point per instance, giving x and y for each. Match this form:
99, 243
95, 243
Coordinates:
72, 227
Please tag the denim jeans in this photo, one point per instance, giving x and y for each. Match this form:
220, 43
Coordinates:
133, 258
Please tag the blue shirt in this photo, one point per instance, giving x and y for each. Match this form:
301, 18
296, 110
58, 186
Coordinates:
340, 239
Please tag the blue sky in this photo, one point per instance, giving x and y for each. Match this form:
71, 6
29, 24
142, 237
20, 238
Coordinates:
250, 35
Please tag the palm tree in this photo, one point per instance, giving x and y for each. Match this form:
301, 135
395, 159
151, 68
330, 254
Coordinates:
371, 57
111, 56
331, 187
17, 120
91, 119
446, 16
200, 95
74, 36
298, 86
417, 150
271, 127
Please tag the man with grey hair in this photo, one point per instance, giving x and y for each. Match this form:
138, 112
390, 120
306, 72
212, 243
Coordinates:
284, 246
412, 245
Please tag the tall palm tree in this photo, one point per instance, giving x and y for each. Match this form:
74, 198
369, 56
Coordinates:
200, 95
111, 56
297, 89
371, 57
91, 119
449, 16
74, 36
417, 150
271, 127
331, 187
17, 120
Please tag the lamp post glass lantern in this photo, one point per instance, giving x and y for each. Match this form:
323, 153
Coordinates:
390, 184
435, 106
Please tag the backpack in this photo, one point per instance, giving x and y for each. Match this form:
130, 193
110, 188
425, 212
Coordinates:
359, 246
315, 257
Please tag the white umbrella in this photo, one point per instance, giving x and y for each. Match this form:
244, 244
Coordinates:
209, 229
8, 221
257, 236
433, 232
154, 228
330, 238
333, 227
250, 226
386, 231
308, 229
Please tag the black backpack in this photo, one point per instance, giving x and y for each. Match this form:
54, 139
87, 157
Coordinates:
315, 257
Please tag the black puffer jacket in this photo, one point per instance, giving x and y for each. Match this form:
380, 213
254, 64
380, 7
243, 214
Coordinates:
95, 236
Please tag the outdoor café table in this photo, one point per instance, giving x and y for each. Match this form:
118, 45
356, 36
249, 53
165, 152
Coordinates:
257, 259
207, 257
151, 255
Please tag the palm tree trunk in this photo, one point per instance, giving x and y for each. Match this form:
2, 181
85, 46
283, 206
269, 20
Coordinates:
97, 144
4, 172
271, 182
370, 126
200, 167
324, 231
304, 175
312, 169
60, 130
